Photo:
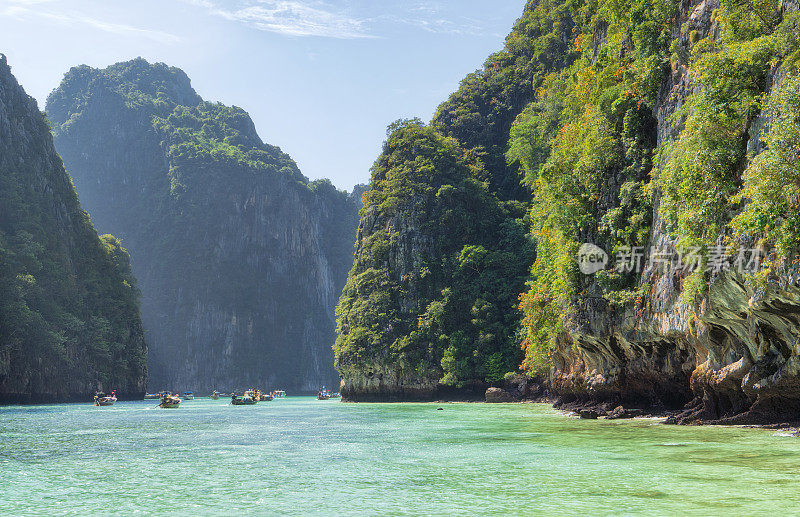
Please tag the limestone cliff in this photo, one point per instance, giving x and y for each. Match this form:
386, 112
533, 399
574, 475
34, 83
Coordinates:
69, 314
730, 352
240, 258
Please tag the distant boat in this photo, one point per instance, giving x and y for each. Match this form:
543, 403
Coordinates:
323, 394
153, 396
101, 399
336, 395
278, 394
188, 395
170, 401
215, 395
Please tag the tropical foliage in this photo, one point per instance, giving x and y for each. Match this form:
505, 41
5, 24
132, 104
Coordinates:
587, 144
438, 267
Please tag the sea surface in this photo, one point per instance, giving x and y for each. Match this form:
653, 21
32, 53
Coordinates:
300, 456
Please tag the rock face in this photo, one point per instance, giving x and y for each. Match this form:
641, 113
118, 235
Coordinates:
239, 257
732, 356
69, 315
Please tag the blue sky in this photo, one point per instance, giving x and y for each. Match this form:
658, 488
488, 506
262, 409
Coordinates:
321, 78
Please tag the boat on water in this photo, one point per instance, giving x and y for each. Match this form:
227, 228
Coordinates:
248, 399
264, 397
170, 401
278, 394
188, 395
215, 395
101, 399
153, 396
323, 394
336, 395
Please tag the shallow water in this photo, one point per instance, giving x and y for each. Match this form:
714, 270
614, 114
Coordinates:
301, 456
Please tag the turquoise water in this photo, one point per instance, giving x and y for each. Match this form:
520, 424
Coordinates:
300, 456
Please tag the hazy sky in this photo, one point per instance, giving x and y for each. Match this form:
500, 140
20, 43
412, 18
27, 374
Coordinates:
321, 79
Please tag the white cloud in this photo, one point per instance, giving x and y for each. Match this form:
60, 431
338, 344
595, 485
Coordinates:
300, 18
21, 9
25, 2
319, 18
443, 25
290, 17
433, 17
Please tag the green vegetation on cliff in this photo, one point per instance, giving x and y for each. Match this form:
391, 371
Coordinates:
480, 113
589, 111
772, 179
598, 180
439, 266
214, 134
69, 313
586, 145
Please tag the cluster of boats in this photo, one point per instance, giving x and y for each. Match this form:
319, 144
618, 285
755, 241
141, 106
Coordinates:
249, 397
325, 394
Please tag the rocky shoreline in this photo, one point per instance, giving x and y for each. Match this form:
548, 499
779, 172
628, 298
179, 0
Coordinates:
521, 389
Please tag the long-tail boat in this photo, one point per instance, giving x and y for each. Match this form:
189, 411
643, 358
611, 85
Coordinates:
170, 401
247, 399
101, 399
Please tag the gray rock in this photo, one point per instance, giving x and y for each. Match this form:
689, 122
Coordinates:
498, 395
617, 413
